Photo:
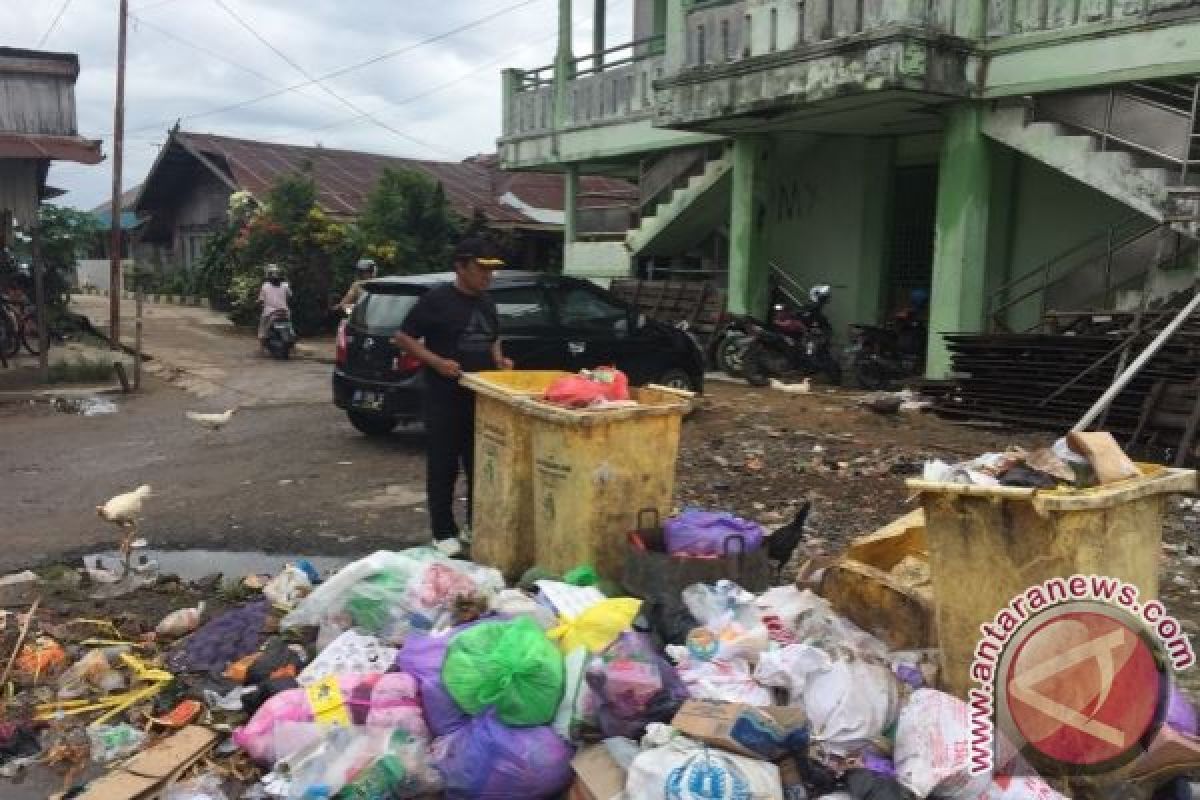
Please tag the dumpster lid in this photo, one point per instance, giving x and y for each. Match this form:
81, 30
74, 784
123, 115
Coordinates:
1155, 479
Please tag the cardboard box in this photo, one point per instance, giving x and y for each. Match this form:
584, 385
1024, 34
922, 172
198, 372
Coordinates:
765, 733
145, 774
597, 775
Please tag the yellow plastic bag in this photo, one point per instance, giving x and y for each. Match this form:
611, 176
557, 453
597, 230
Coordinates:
598, 627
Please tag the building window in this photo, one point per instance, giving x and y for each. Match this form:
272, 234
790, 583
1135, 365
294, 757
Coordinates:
774, 31
747, 36
724, 40
700, 52
800, 22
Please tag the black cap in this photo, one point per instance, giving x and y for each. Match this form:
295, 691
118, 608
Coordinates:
482, 250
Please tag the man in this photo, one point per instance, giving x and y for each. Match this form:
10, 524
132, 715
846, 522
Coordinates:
274, 295
364, 270
453, 329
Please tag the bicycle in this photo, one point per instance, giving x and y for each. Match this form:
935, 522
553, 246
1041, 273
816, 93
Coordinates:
20, 322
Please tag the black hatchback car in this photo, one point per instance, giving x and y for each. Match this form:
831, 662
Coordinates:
546, 322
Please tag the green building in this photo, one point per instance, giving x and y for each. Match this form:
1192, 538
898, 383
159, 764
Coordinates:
1014, 157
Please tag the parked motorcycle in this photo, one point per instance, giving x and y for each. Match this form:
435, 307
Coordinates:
281, 336
797, 341
727, 351
882, 355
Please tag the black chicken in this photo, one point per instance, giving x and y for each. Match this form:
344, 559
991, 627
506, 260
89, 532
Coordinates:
782, 543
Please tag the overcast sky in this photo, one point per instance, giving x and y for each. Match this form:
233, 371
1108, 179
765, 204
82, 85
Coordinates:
189, 57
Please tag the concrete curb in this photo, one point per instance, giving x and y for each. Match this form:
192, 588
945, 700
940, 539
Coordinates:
194, 301
28, 395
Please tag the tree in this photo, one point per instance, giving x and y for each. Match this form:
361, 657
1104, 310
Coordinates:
289, 229
65, 234
407, 226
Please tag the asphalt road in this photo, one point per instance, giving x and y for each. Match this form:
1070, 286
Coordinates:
288, 474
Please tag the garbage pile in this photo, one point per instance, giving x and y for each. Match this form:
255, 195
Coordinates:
407, 674
1078, 460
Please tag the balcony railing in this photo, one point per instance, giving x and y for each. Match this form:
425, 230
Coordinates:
1014, 17
614, 84
725, 32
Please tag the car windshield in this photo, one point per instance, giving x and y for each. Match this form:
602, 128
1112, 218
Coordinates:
386, 312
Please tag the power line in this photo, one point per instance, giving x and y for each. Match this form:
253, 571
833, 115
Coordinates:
308, 76
345, 70
54, 24
141, 22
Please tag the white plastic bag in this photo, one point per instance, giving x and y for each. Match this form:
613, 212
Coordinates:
727, 681
288, 588
731, 625
350, 652
687, 770
1024, 787
577, 712
515, 603
932, 753
390, 594
848, 700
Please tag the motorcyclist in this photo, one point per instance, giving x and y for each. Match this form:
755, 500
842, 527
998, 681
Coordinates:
274, 295
364, 270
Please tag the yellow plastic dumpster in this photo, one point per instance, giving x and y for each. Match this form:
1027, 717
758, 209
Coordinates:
989, 544
594, 470
502, 517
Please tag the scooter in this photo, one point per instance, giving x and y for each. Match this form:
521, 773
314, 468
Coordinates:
727, 352
281, 336
884, 355
799, 341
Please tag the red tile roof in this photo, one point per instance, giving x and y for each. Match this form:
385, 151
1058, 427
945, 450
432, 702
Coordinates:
344, 178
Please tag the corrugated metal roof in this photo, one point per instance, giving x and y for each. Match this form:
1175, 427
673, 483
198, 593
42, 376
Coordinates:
345, 178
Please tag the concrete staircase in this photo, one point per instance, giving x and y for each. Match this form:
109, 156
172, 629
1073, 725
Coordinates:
1117, 170
688, 212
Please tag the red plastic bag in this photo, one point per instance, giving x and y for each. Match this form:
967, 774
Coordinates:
589, 387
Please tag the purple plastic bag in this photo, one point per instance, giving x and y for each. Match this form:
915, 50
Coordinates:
634, 686
422, 657
488, 760
708, 533
1181, 714
222, 640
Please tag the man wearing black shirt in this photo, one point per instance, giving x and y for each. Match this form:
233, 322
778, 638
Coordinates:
451, 330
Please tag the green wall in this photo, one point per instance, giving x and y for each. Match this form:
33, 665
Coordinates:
1050, 214
823, 216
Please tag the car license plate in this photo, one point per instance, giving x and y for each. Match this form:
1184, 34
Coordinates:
372, 401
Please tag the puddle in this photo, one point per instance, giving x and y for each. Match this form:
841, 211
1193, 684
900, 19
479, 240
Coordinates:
85, 406
191, 565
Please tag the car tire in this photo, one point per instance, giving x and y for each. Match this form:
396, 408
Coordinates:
676, 378
371, 424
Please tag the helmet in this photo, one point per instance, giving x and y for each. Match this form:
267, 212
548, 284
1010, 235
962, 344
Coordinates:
273, 270
820, 293
918, 298
365, 265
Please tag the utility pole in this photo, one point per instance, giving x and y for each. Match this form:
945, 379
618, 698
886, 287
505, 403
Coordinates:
114, 267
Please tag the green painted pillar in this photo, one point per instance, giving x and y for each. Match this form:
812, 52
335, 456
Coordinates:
513, 80
748, 271
960, 252
564, 63
675, 34
571, 204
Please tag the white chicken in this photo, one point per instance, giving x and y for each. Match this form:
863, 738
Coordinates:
123, 511
803, 387
213, 422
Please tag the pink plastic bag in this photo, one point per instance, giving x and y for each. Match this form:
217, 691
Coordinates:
588, 388
375, 700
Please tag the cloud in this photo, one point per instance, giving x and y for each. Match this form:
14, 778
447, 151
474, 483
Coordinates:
168, 80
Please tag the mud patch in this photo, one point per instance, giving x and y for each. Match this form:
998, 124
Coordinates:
393, 496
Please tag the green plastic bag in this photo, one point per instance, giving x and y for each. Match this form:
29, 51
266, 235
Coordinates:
509, 665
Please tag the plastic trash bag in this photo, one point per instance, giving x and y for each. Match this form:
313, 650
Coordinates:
485, 760
727, 681
634, 686
588, 388
288, 587
576, 717
510, 666
686, 770
389, 594
848, 700
864, 784
732, 625
350, 652
699, 533
205, 787
320, 761
515, 603
372, 700
422, 657
932, 752
598, 626
1020, 787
